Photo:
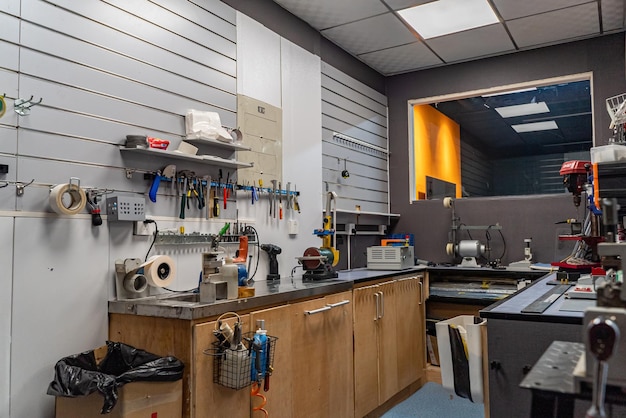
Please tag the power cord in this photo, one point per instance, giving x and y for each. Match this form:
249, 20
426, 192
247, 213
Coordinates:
156, 232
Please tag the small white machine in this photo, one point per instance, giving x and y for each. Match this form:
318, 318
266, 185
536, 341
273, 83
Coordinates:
528, 256
390, 257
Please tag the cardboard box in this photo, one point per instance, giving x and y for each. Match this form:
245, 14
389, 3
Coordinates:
136, 400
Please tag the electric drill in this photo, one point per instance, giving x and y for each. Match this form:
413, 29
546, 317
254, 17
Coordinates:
272, 251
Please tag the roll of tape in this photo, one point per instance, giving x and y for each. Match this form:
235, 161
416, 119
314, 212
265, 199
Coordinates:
77, 198
135, 283
447, 202
159, 270
3, 106
450, 248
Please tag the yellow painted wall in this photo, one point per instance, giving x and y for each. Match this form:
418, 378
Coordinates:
437, 148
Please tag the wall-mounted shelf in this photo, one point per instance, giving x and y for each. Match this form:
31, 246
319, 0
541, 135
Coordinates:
363, 212
203, 159
216, 143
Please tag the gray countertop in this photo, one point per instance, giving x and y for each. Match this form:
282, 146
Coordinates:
187, 305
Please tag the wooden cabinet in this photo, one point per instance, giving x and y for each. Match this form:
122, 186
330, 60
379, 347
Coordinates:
389, 349
207, 398
322, 368
279, 397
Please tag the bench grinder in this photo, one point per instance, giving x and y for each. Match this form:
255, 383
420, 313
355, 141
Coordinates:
318, 263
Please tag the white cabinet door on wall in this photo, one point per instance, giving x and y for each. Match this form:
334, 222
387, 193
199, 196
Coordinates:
59, 303
258, 61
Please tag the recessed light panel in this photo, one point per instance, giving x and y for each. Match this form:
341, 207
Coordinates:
537, 126
522, 110
443, 17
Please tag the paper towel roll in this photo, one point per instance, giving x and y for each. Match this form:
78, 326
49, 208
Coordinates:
159, 270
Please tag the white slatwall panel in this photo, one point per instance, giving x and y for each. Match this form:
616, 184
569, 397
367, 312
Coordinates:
6, 261
359, 114
105, 69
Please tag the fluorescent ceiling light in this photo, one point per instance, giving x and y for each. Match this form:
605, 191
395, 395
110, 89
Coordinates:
502, 93
443, 17
522, 110
537, 126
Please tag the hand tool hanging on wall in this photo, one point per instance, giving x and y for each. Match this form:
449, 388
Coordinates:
207, 197
280, 200
183, 198
273, 204
94, 209
167, 173
226, 189
255, 196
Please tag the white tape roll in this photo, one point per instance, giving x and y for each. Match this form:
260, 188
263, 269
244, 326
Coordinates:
159, 270
77, 199
447, 202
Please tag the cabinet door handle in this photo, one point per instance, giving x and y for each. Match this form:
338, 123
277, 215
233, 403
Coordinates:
382, 304
334, 305
315, 311
377, 296
421, 292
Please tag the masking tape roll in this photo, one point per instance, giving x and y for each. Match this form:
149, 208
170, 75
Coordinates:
447, 202
78, 199
450, 248
159, 270
3, 106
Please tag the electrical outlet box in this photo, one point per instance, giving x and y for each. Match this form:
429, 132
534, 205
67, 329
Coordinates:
126, 208
292, 226
141, 229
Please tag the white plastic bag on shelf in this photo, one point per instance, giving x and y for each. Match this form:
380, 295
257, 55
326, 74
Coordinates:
205, 125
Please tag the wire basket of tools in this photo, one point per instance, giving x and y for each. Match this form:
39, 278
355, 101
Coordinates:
231, 356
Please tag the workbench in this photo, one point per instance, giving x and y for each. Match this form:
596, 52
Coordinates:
517, 340
315, 364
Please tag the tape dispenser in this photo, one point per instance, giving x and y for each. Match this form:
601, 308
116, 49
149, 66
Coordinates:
133, 277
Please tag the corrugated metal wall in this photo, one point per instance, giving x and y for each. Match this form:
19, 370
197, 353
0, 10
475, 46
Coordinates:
476, 171
354, 138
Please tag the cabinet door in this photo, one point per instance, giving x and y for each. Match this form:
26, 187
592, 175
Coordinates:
210, 399
389, 342
410, 326
322, 358
366, 311
340, 352
278, 324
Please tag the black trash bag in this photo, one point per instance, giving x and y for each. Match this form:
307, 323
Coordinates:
79, 375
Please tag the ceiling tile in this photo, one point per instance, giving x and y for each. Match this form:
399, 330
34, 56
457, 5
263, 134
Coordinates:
404, 4
401, 59
512, 9
555, 26
479, 42
612, 14
322, 14
371, 34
